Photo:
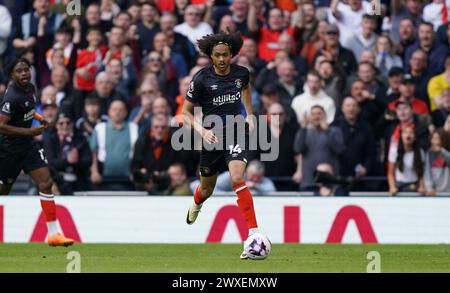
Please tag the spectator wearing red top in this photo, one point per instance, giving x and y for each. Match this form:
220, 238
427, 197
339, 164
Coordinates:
268, 36
89, 60
407, 89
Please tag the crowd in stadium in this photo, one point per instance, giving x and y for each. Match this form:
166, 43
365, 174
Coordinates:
359, 96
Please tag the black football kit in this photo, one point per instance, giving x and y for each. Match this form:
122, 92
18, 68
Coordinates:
220, 96
19, 152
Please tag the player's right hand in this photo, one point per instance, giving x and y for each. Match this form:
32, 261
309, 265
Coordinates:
37, 130
209, 136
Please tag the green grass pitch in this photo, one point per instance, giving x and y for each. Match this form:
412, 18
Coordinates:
176, 258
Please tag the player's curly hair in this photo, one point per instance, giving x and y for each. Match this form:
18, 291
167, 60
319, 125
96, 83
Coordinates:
232, 40
10, 66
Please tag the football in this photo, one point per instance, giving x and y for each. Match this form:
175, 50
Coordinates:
257, 246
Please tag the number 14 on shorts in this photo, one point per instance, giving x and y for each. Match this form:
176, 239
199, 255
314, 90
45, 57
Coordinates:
235, 149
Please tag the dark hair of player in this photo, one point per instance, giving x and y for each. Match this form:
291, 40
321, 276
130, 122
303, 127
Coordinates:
12, 64
232, 40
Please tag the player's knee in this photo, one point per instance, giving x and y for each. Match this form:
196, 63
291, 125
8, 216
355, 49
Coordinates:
45, 186
237, 179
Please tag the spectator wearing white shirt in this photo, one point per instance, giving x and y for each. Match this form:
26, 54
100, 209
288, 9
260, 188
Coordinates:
434, 12
406, 164
313, 95
348, 17
192, 27
5, 28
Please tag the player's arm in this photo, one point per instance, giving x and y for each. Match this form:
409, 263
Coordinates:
188, 108
9, 130
189, 119
247, 100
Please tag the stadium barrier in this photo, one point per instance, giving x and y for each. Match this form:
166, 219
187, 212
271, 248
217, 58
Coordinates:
158, 219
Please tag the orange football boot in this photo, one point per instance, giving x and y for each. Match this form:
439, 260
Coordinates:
59, 240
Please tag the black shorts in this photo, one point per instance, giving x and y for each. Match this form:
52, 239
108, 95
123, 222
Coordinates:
11, 164
213, 161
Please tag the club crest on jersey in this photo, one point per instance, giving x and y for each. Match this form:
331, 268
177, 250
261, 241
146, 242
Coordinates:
238, 83
191, 89
6, 107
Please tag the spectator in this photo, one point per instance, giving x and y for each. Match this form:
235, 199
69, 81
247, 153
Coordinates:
333, 83
440, 114
407, 91
385, 56
364, 38
343, 58
314, 40
28, 26
316, 142
313, 95
60, 78
288, 84
407, 36
89, 61
93, 19
192, 27
418, 65
305, 16
359, 157
147, 27
161, 46
348, 16
367, 73
179, 184
69, 156
165, 73
286, 43
91, 116
392, 124
433, 13
62, 53
153, 155
436, 51
104, 91
123, 78
282, 133
239, 11
399, 12
118, 47
141, 115
109, 9
371, 107
437, 166
392, 92
112, 145
438, 84
268, 36
176, 41
250, 50
5, 31
406, 164
254, 177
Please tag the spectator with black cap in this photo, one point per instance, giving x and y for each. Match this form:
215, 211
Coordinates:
392, 92
407, 93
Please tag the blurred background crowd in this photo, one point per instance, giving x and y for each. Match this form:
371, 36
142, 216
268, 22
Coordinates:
361, 89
